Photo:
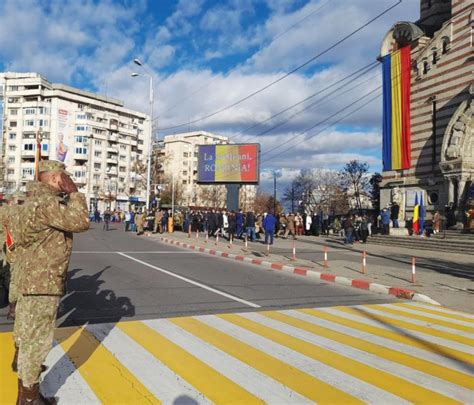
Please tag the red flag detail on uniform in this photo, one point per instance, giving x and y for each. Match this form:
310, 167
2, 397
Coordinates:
9, 241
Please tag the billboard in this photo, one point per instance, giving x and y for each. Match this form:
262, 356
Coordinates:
228, 163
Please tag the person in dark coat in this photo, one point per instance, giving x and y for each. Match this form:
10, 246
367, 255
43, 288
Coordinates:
395, 209
232, 220
239, 220
250, 226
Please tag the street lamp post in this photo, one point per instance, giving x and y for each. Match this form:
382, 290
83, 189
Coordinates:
148, 176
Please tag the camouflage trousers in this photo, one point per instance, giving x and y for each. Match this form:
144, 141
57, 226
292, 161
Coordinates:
13, 292
34, 331
5, 273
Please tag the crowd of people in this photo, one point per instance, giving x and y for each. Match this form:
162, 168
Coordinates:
250, 225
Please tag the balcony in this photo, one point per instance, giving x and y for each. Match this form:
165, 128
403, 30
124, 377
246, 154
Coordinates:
112, 161
80, 156
28, 153
112, 150
113, 138
111, 171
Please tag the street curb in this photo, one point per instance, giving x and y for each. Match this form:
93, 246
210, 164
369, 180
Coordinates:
356, 283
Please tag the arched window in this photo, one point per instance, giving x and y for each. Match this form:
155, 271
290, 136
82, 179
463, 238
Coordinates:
435, 56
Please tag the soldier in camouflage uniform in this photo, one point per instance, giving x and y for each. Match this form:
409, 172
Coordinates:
7, 215
48, 221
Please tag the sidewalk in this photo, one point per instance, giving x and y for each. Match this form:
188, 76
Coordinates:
446, 279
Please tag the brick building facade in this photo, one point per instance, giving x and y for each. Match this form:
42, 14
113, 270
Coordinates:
442, 143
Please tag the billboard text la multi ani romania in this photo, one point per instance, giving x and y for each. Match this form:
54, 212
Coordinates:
228, 163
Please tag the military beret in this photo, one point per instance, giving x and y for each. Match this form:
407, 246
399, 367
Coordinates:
52, 166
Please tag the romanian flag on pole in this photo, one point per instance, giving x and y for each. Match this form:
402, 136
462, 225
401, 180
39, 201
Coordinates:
396, 69
416, 216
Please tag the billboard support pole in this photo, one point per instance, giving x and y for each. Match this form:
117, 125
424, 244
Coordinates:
232, 196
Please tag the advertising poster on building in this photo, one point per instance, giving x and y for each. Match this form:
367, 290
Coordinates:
228, 163
64, 150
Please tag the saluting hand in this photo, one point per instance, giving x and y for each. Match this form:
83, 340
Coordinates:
67, 185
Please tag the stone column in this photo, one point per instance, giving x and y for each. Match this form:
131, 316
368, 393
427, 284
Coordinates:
460, 202
450, 190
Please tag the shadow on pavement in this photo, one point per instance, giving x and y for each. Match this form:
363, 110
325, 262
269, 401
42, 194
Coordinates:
84, 304
461, 270
438, 349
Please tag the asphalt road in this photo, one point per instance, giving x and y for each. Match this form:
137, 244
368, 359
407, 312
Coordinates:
116, 276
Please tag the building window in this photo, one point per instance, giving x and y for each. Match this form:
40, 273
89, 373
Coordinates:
185, 154
44, 147
80, 139
43, 123
435, 57
12, 136
121, 190
80, 151
81, 107
29, 146
12, 148
121, 179
122, 158
13, 88
81, 128
29, 111
98, 142
11, 160
11, 171
29, 123
42, 110
13, 124
13, 111
81, 116
27, 172
97, 166
97, 177
140, 142
122, 169
185, 182
185, 172
123, 147
97, 153
78, 174
426, 67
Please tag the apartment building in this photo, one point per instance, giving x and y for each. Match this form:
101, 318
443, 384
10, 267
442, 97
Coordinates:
98, 139
181, 163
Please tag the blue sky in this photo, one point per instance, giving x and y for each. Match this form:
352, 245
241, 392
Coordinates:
206, 54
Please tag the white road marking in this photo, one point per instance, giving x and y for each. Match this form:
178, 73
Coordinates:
332, 376
64, 381
257, 383
162, 382
187, 280
144, 252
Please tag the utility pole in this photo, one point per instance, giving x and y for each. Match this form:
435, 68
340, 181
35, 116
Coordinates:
274, 191
292, 199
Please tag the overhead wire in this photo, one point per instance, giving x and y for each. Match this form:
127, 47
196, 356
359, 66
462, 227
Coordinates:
287, 74
321, 122
326, 97
329, 126
369, 67
275, 39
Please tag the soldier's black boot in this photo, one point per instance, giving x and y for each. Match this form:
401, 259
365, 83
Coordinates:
11, 311
32, 396
15, 361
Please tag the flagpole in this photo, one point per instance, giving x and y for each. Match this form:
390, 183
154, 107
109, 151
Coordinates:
39, 139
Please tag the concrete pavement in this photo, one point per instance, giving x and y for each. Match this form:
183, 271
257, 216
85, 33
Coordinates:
445, 278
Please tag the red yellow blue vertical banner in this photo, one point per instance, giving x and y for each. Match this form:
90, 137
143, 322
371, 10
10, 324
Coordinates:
396, 71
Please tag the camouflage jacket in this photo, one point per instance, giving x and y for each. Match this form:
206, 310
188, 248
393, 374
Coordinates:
45, 230
8, 215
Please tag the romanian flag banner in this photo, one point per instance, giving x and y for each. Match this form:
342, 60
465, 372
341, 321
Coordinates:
228, 163
396, 69
416, 216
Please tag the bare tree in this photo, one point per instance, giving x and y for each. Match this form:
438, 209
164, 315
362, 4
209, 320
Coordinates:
264, 202
213, 196
166, 191
317, 189
355, 180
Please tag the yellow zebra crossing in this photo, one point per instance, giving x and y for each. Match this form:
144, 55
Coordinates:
391, 353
